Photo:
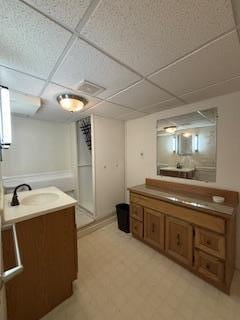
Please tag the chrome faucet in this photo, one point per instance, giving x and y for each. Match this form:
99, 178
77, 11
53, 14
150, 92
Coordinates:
179, 166
15, 201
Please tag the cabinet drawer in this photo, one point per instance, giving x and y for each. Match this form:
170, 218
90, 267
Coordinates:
210, 267
210, 242
137, 212
137, 228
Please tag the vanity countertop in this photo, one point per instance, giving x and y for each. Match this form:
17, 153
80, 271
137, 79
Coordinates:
35, 203
187, 201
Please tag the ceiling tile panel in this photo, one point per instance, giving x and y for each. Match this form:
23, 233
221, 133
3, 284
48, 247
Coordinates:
215, 62
132, 115
148, 35
52, 113
69, 12
29, 42
140, 95
219, 89
83, 62
20, 82
52, 91
23, 104
109, 110
169, 104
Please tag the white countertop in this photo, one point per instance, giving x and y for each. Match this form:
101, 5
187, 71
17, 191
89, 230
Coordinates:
28, 210
177, 169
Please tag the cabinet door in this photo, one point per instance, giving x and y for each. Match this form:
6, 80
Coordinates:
154, 228
136, 228
179, 237
61, 256
48, 250
24, 292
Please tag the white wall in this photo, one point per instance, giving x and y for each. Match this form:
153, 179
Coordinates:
38, 146
141, 138
109, 142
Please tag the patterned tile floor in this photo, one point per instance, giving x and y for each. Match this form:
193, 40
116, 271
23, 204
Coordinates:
121, 278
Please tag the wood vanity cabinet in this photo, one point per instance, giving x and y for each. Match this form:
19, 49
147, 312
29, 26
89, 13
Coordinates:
48, 247
198, 237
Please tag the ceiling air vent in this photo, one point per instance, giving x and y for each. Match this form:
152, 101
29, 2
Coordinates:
89, 88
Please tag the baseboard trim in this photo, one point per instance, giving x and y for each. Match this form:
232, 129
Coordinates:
98, 224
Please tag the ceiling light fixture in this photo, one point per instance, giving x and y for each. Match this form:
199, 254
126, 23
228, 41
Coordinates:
187, 134
71, 102
170, 129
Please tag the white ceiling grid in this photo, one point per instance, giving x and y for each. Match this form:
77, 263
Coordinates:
149, 56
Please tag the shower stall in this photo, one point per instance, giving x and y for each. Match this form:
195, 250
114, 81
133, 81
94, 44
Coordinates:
85, 213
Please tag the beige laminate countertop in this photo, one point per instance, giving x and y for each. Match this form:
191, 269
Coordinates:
187, 201
35, 207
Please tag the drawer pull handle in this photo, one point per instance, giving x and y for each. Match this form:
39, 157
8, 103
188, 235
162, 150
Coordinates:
178, 240
208, 266
153, 227
208, 242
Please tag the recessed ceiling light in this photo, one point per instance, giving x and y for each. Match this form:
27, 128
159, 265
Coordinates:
71, 102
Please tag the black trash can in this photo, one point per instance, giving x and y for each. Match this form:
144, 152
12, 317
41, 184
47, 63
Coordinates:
123, 217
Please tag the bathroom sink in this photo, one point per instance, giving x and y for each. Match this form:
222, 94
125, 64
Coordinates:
39, 199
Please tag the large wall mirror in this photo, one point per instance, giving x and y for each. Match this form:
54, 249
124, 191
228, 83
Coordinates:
186, 146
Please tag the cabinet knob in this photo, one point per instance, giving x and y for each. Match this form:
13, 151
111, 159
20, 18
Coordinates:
207, 266
208, 242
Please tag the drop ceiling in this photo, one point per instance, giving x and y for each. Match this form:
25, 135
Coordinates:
148, 56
